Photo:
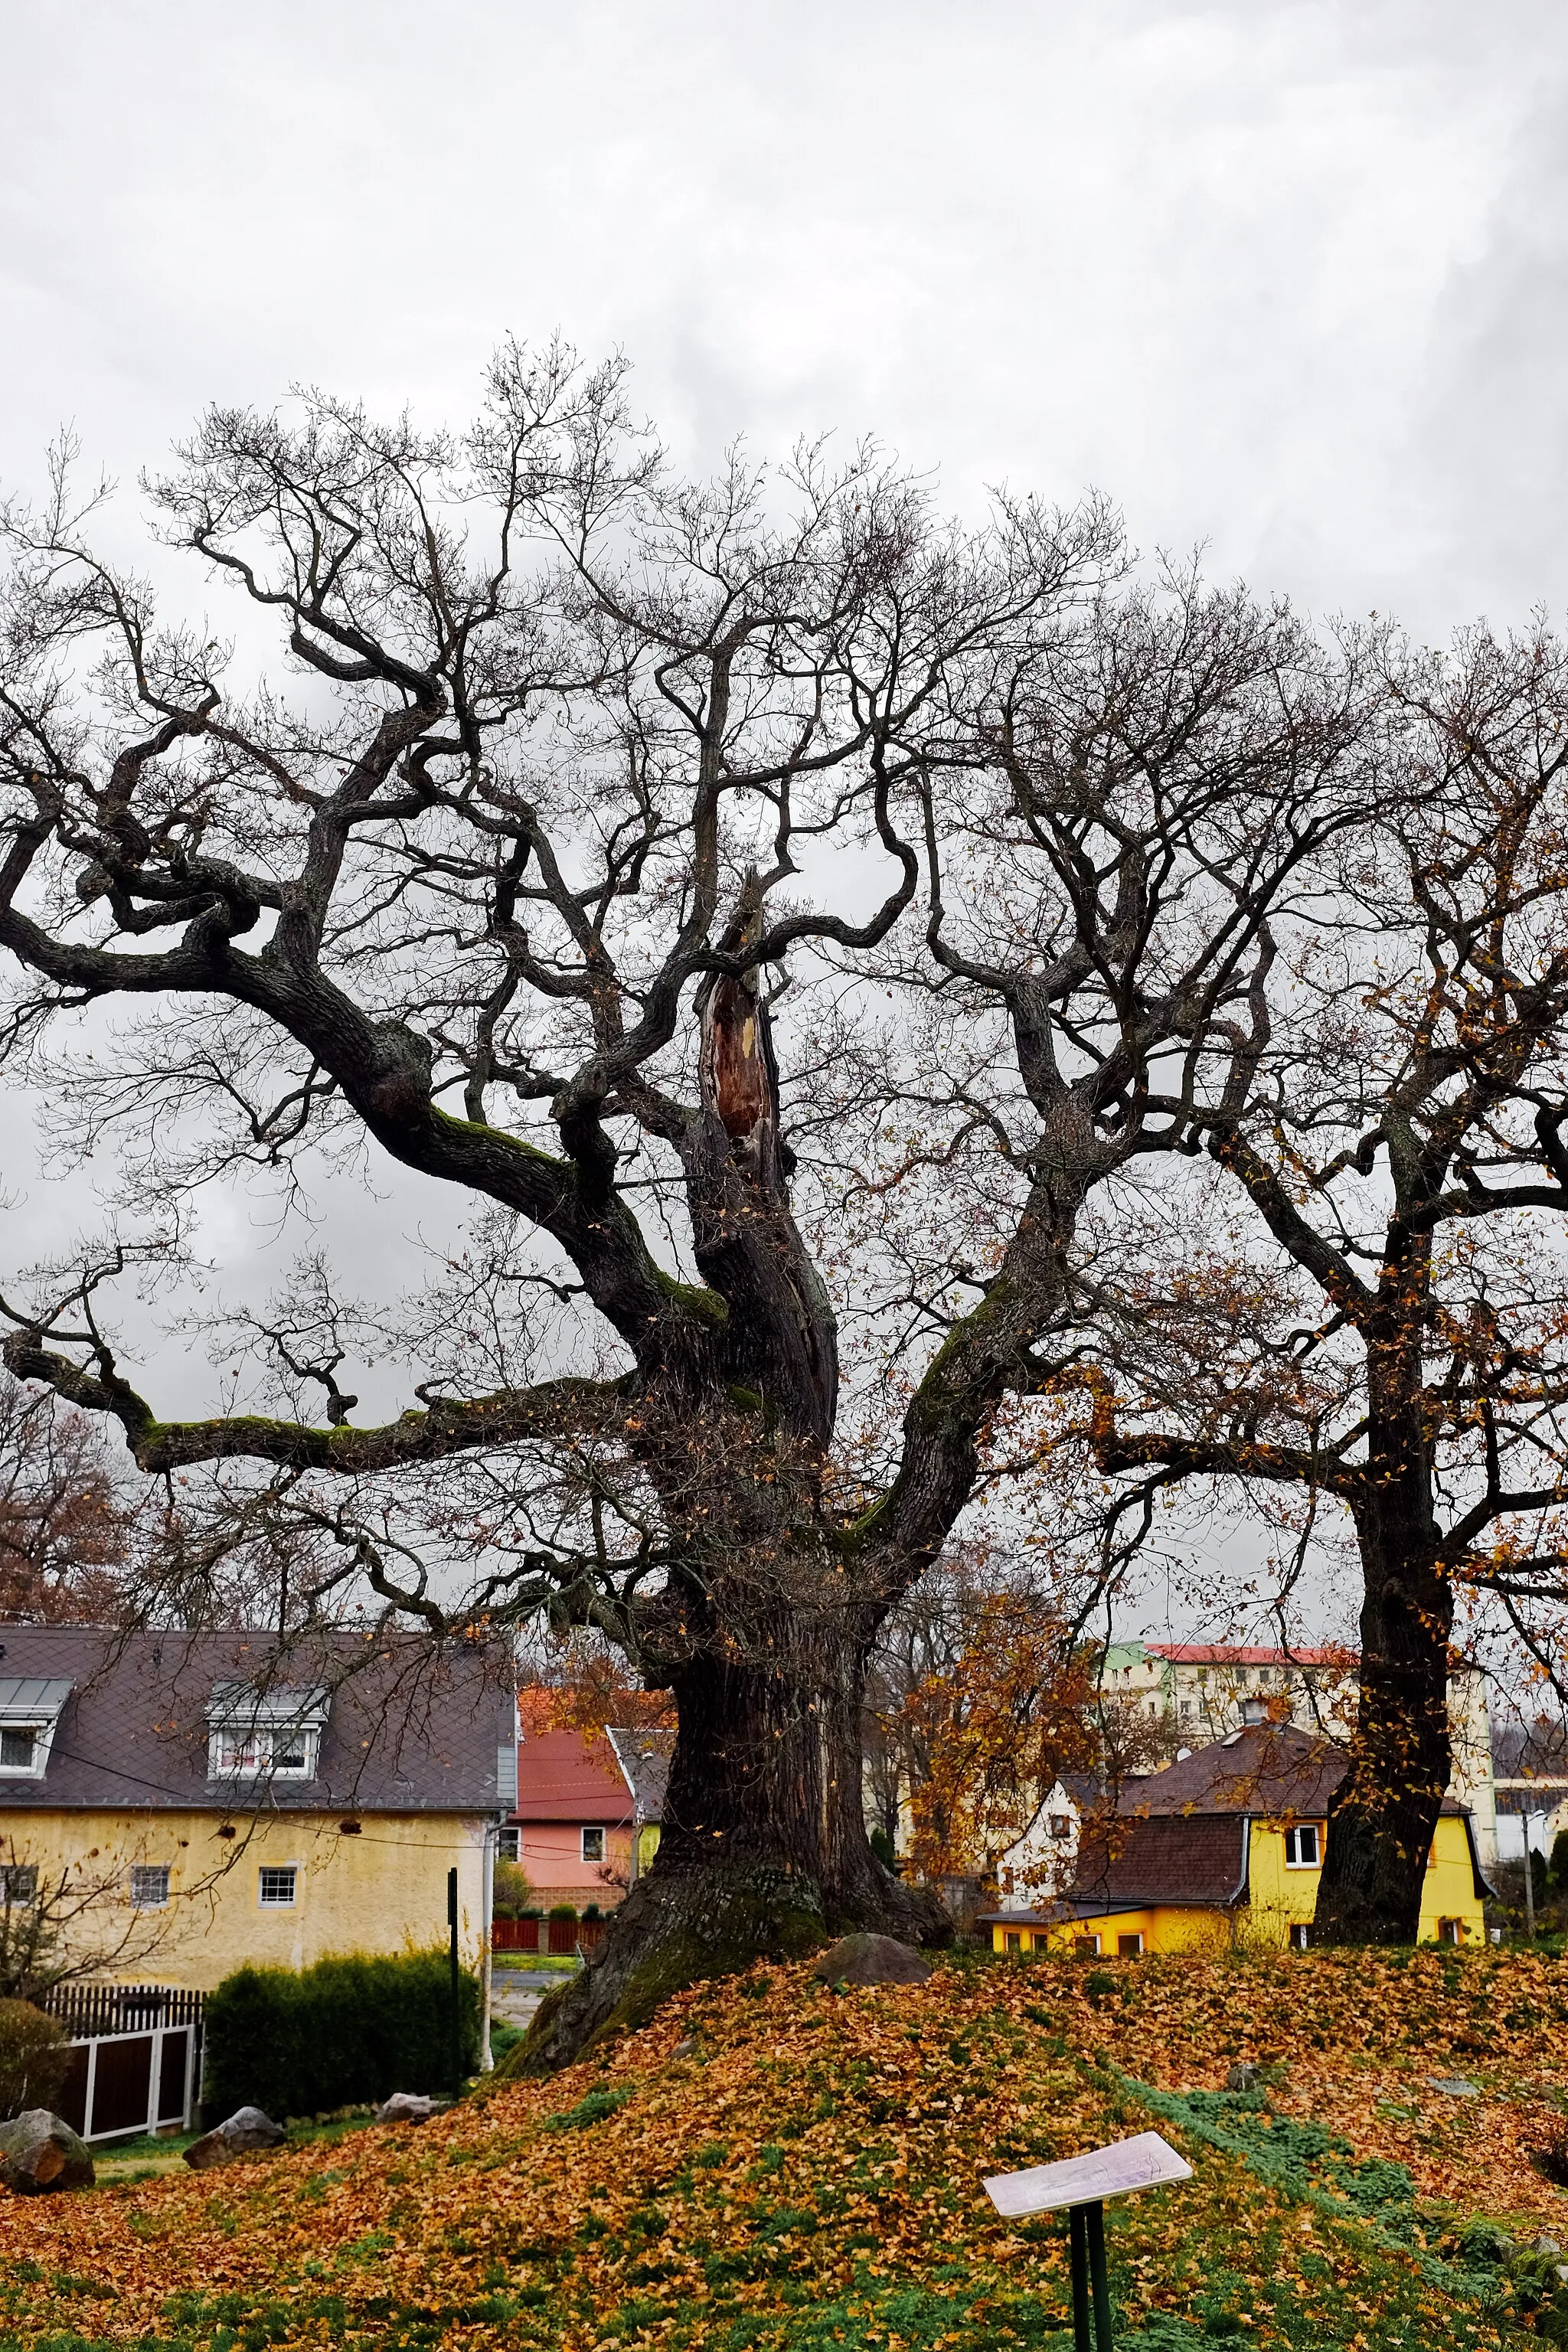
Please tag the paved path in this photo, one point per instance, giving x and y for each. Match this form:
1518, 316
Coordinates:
516, 1993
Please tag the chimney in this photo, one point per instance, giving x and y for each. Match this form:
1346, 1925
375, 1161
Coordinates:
1253, 1711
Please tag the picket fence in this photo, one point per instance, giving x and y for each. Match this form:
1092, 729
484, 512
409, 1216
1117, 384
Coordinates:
135, 2059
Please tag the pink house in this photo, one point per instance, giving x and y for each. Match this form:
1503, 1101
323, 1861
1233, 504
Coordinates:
572, 1831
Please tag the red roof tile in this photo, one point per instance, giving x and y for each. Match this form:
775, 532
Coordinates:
567, 1775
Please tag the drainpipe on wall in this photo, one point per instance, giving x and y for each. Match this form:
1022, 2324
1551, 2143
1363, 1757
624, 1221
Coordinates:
492, 1835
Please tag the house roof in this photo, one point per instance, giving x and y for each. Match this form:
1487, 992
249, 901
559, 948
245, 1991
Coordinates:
1270, 1768
571, 1776
644, 1759
1231, 1654
406, 1726
1199, 1858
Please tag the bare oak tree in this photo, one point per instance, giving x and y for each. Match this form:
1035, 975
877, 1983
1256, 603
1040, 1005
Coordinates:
1385, 1339
576, 771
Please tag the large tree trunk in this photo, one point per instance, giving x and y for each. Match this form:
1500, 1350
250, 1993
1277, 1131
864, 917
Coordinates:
1383, 1813
763, 1848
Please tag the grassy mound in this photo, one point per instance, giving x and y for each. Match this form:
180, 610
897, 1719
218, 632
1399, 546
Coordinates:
769, 2163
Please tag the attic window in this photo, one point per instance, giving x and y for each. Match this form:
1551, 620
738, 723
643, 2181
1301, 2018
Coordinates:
1303, 1846
1061, 1825
264, 1736
30, 1708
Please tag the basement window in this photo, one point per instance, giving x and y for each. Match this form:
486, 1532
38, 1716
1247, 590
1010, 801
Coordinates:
1012, 1940
1086, 1946
1303, 1846
1129, 1947
1450, 1931
1298, 1935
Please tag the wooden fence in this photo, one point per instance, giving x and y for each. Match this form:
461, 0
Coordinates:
561, 1937
135, 2062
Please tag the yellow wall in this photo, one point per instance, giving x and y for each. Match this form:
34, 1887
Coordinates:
1280, 1897
384, 1891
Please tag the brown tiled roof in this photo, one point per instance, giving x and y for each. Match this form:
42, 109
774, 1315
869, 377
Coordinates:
1270, 1767
1199, 1859
408, 1727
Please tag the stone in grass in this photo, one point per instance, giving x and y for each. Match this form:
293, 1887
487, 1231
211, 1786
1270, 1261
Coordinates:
1242, 2077
405, 2107
871, 1960
1455, 2086
39, 2153
246, 2128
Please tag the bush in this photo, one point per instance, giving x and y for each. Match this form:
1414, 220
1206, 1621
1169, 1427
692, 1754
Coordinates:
512, 1892
564, 1911
347, 2032
33, 2055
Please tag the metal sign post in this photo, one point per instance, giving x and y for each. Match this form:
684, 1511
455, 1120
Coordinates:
1082, 2184
456, 1991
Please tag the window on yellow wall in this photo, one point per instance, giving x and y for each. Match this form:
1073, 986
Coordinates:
276, 1885
1450, 1931
1012, 1941
150, 1886
1128, 1948
1303, 1846
1298, 1935
1086, 1947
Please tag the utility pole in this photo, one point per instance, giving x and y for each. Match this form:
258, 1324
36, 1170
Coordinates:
1529, 1881
456, 1985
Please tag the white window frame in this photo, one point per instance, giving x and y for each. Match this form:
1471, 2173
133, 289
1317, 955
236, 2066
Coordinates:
32, 1769
1135, 1938
592, 1830
22, 1874
1093, 1951
248, 1751
1294, 1858
268, 1869
141, 1899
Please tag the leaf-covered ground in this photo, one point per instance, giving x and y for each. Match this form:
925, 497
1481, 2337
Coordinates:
772, 2163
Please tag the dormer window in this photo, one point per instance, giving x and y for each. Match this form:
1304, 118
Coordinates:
264, 1736
30, 1707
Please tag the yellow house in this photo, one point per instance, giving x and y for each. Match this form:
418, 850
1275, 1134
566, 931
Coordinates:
1225, 1846
177, 1803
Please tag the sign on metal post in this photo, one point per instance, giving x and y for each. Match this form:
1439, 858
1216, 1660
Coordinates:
1082, 2183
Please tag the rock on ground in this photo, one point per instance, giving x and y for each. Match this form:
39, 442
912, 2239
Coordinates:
405, 2107
248, 2128
39, 2153
863, 1959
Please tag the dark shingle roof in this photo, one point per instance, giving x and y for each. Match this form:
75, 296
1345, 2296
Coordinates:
644, 1759
409, 1727
1201, 1858
1270, 1768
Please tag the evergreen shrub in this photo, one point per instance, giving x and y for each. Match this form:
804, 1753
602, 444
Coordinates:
564, 1911
346, 2032
33, 2055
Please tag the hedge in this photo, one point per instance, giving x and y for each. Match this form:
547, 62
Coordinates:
346, 2032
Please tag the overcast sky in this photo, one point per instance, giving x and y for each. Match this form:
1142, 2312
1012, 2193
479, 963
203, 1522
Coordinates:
1286, 278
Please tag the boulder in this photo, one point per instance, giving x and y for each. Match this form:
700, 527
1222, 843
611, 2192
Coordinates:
1243, 2077
405, 2107
871, 1960
246, 2128
38, 2153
